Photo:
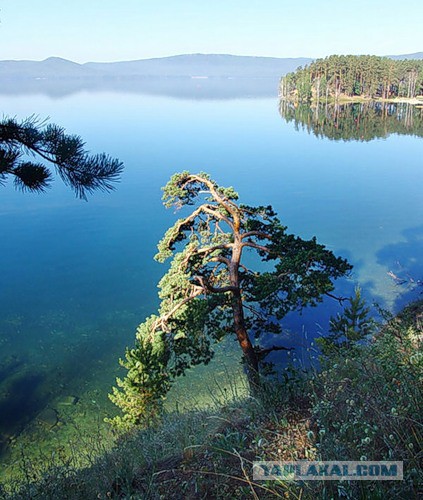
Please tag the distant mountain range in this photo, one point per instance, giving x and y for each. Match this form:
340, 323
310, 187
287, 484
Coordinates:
192, 66
416, 55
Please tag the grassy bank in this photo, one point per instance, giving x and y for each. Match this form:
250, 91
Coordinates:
365, 404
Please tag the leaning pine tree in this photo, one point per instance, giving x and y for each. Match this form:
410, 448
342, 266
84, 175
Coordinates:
210, 292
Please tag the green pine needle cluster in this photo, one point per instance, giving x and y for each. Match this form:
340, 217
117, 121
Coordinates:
353, 325
22, 144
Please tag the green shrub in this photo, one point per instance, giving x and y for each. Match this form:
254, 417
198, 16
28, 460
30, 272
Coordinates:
368, 400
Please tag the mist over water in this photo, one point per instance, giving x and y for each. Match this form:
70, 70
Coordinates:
78, 277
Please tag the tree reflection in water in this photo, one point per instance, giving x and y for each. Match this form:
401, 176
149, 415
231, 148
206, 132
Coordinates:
362, 121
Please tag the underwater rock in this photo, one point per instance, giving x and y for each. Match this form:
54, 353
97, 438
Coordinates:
48, 417
68, 401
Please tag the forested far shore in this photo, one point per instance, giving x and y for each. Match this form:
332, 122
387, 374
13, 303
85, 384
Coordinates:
337, 77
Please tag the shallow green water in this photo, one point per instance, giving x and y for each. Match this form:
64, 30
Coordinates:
77, 278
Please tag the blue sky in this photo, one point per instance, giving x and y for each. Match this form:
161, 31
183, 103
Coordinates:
110, 30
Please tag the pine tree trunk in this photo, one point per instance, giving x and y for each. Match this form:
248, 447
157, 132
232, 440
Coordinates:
318, 90
250, 356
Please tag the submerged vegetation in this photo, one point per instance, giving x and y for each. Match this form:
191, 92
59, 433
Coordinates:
352, 77
211, 291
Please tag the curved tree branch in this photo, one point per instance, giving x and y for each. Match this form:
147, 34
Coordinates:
259, 234
262, 353
161, 322
206, 286
339, 299
229, 206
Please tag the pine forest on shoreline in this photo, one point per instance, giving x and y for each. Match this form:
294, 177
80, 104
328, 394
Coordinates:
352, 78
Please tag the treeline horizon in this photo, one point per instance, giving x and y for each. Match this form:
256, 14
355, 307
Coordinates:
354, 76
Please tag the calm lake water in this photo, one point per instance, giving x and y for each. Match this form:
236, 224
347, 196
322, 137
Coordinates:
78, 277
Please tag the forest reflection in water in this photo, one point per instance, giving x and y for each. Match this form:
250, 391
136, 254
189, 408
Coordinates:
363, 121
